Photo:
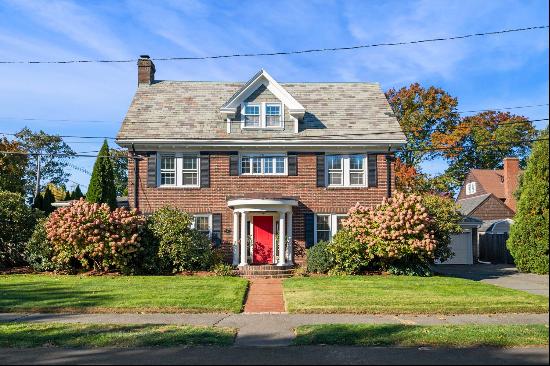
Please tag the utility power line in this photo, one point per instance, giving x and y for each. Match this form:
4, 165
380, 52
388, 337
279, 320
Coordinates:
224, 122
279, 137
294, 52
401, 150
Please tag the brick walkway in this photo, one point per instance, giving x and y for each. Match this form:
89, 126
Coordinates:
265, 296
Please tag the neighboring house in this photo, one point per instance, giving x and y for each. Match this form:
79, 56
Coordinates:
274, 166
488, 195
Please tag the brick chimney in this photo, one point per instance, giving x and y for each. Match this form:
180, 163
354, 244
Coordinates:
146, 70
511, 175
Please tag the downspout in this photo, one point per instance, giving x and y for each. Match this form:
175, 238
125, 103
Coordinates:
136, 176
389, 160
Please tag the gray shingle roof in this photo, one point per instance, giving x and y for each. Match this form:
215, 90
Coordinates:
191, 110
467, 205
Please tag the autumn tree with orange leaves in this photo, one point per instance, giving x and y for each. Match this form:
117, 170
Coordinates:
483, 140
421, 112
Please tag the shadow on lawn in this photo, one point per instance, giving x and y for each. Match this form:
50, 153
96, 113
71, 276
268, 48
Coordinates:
28, 296
89, 335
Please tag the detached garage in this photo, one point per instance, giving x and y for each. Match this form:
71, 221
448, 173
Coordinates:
463, 244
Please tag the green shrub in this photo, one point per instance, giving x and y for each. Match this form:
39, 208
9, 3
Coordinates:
348, 255
17, 222
410, 267
90, 235
180, 248
224, 269
528, 241
318, 258
39, 251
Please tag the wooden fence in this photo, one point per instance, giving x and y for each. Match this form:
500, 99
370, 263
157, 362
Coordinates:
492, 248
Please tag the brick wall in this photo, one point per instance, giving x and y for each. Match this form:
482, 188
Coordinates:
214, 199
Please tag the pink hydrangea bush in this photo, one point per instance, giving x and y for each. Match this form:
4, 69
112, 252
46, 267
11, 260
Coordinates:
95, 236
400, 227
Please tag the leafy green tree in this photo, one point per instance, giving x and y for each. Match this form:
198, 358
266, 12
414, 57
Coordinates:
120, 169
67, 196
12, 166
77, 193
47, 201
17, 221
483, 140
102, 183
52, 166
528, 242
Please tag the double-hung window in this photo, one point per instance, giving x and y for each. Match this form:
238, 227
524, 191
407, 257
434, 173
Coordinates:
260, 164
335, 170
168, 170
327, 225
251, 115
203, 224
272, 115
262, 115
178, 170
346, 170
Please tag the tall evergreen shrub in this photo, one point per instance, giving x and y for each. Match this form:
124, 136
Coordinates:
102, 184
528, 242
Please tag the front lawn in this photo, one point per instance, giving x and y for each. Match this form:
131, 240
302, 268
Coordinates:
166, 294
416, 335
110, 335
405, 295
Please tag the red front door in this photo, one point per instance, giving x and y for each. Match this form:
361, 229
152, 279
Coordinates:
263, 239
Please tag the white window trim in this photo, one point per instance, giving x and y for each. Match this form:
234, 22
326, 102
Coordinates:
209, 216
263, 106
471, 188
346, 171
179, 170
333, 224
175, 170
262, 162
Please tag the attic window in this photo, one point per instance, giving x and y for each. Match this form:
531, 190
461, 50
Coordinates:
262, 115
471, 188
272, 115
251, 115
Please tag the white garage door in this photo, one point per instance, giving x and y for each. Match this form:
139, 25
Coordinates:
461, 245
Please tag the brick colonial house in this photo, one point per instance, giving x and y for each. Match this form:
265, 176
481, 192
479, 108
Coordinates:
489, 194
273, 166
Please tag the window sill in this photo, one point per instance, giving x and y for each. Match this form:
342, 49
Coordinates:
178, 187
347, 187
263, 175
263, 128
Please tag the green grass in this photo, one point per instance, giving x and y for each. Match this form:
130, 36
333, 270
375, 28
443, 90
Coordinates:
416, 335
405, 295
110, 335
167, 294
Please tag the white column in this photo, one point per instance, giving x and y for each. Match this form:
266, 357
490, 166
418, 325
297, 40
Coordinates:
235, 238
282, 239
243, 240
290, 244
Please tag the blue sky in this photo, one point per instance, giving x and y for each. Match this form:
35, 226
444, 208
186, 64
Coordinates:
487, 72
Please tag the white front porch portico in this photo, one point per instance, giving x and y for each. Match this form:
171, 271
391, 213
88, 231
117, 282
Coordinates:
244, 212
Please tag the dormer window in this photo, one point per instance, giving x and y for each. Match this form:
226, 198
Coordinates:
251, 115
273, 115
262, 115
471, 188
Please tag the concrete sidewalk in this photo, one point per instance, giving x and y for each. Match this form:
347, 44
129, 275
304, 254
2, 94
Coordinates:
273, 329
303, 355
